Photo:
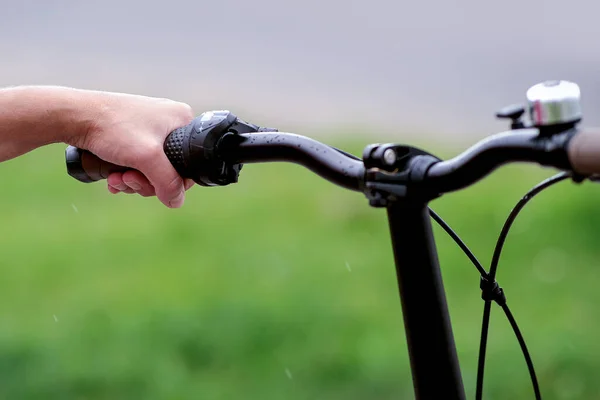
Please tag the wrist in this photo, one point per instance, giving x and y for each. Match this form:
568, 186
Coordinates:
72, 113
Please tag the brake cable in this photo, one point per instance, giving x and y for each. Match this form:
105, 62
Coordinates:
491, 291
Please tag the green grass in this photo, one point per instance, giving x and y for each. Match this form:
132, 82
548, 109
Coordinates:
279, 287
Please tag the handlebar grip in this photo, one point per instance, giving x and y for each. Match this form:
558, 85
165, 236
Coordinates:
87, 167
584, 152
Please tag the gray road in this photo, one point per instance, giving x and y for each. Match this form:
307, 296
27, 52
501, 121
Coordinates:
422, 68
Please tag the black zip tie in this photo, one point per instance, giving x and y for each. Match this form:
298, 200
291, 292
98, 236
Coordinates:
491, 291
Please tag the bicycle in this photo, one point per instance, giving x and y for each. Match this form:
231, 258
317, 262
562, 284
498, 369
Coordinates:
403, 179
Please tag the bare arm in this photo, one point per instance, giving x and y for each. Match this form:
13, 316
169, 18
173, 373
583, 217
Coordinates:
31, 117
124, 129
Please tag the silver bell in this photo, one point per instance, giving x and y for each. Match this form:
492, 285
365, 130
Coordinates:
554, 102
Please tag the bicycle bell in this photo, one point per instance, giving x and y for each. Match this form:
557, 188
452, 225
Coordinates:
554, 103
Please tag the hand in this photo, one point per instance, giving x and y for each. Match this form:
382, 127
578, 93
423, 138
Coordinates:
130, 130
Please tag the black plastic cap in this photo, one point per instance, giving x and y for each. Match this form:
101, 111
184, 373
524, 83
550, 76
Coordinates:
75, 166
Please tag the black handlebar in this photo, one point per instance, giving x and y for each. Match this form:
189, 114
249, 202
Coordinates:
332, 164
521, 145
213, 148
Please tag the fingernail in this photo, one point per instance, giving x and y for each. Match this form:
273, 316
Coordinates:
134, 185
177, 201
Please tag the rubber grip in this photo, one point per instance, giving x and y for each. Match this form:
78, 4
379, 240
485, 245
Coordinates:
86, 167
584, 152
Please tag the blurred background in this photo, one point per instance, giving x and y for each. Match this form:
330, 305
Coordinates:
283, 286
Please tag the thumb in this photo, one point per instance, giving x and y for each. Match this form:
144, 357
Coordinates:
169, 186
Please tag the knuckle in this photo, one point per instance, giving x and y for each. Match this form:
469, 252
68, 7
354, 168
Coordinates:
184, 112
177, 113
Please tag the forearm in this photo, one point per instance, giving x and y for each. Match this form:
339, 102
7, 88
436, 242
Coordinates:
34, 116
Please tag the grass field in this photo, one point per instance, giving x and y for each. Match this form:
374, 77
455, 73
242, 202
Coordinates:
279, 287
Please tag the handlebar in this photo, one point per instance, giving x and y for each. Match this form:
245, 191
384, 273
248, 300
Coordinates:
218, 161
330, 163
212, 150
521, 145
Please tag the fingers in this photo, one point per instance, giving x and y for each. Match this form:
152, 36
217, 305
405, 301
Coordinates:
135, 182
130, 182
139, 183
115, 181
116, 191
168, 185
